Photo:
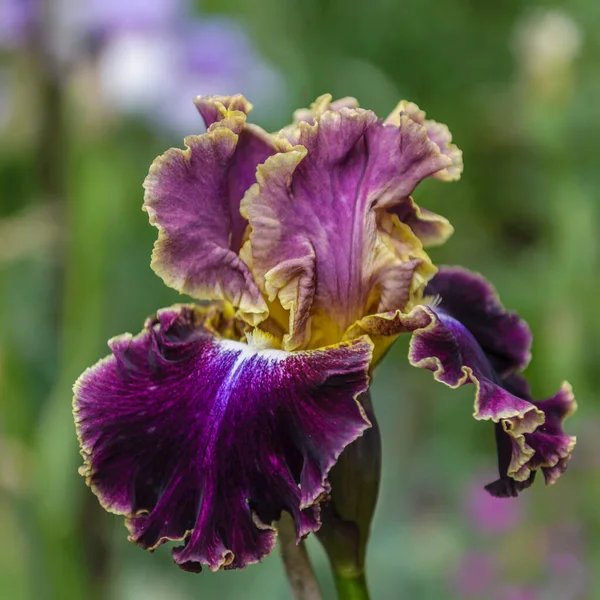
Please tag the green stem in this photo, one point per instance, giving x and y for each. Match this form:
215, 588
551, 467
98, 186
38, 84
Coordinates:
346, 519
296, 562
351, 588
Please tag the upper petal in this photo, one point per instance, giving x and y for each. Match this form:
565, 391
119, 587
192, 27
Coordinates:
193, 196
432, 229
309, 115
437, 133
314, 212
205, 440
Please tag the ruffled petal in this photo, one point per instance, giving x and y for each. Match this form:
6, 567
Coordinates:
309, 115
529, 434
440, 343
193, 196
445, 346
314, 213
432, 229
437, 133
217, 108
469, 298
403, 286
205, 440
466, 336
550, 447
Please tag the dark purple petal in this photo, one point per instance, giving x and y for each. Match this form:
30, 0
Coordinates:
506, 486
446, 347
193, 198
196, 438
470, 299
315, 214
529, 434
466, 336
551, 446
505, 341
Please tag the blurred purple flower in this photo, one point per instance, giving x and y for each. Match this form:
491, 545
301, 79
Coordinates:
151, 58
16, 18
488, 514
110, 16
569, 575
474, 575
518, 593
156, 72
567, 571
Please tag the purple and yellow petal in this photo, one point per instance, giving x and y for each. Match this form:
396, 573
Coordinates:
204, 440
218, 108
193, 196
437, 133
432, 229
315, 216
309, 115
406, 246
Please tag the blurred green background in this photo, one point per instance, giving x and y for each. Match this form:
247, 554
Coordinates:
519, 86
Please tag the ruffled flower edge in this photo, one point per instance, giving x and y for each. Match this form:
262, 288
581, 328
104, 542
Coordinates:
192, 197
207, 248
179, 391
529, 433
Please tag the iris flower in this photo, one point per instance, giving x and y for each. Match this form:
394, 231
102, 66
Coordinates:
306, 249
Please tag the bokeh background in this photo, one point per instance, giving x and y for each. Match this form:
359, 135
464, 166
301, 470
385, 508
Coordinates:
91, 91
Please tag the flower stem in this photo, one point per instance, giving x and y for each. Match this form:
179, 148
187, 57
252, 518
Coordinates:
351, 588
346, 519
297, 564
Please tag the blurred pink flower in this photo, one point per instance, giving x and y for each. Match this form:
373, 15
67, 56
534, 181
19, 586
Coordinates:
491, 515
518, 593
474, 575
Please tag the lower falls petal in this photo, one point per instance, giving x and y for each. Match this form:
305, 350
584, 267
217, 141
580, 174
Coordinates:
465, 336
205, 440
550, 448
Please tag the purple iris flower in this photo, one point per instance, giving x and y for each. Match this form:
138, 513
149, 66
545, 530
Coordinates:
307, 251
